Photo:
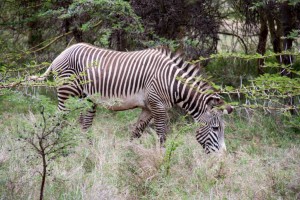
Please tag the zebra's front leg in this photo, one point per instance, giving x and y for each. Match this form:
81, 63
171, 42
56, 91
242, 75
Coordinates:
86, 119
144, 119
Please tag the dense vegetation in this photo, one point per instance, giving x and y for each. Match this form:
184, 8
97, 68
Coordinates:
249, 50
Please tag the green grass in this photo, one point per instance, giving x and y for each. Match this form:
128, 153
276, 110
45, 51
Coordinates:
262, 162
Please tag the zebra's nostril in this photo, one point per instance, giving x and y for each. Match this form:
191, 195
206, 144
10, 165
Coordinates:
207, 151
215, 128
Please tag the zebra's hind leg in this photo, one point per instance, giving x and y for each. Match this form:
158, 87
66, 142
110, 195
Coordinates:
160, 119
86, 119
144, 119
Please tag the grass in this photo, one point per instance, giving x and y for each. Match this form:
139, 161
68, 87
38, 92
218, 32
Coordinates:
262, 162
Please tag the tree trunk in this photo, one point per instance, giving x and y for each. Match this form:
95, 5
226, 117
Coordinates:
67, 25
262, 42
34, 34
44, 174
118, 41
33, 24
78, 34
274, 28
275, 37
288, 22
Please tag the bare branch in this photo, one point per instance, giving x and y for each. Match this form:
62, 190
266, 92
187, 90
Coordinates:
239, 37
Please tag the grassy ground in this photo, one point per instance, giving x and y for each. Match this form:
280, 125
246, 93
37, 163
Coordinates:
262, 162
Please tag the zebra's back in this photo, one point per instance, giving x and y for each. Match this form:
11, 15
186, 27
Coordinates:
126, 76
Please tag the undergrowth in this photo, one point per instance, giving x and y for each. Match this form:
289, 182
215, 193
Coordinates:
262, 160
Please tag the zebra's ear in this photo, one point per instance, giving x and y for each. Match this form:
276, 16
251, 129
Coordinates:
215, 101
179, 51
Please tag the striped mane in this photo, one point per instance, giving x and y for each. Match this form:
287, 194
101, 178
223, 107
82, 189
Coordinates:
191, 71
177, 57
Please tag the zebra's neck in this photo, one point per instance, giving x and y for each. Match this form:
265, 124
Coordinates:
194, 96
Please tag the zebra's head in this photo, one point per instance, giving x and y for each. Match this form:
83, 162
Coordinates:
211, 132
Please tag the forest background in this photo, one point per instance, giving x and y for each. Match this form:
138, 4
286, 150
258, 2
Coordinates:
250, 51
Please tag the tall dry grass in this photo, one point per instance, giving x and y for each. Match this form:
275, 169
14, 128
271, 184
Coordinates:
262, 162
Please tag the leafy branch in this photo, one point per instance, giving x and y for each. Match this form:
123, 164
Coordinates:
50, 138
244, 56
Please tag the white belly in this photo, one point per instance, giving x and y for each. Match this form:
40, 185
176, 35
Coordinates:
121, 103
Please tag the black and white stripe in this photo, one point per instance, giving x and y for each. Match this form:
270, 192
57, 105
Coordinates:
152, 79
211, 132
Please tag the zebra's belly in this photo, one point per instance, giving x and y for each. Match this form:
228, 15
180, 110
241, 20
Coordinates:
120, 103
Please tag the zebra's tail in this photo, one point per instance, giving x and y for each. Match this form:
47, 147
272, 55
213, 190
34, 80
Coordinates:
42, 77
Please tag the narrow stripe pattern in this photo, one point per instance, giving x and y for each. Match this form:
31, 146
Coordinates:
153, 79
211, 132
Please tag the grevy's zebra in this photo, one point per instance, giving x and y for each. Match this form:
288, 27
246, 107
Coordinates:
151, 79
211, 132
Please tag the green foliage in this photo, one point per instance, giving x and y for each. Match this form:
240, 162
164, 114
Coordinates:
282, 85
19, 102
51, 133
102, 10
293, 2
172, 145
28, 41
75, 104
272, 92
294, 34
258, 130
49, 138
161, 41
263, 3
103, 40
262, 137
230, 71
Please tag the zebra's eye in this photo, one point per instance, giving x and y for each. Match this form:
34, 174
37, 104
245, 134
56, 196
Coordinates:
215, 128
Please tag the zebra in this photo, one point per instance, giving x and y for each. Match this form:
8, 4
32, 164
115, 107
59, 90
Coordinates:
211, 132
153, 79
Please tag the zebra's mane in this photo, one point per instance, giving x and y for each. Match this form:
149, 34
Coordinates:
187, 67
195, 73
